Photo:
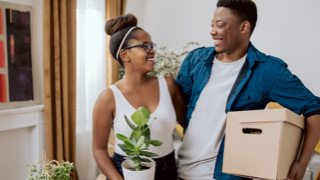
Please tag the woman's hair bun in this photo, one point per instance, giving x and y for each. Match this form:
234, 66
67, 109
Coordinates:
121, 22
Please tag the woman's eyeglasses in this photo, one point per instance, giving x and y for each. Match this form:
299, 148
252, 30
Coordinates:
147, 47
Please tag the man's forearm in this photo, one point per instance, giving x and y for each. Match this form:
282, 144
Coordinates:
312, 135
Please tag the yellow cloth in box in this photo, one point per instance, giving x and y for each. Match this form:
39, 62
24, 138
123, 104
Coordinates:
317, 149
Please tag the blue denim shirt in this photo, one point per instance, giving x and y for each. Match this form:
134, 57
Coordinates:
262, 79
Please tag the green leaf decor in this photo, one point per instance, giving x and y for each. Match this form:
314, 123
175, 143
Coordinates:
139, 140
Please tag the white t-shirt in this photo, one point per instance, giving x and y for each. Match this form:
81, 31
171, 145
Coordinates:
201, 142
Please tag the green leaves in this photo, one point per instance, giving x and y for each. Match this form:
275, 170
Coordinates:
133, 141
136, 134
139, 118
51, 170
129, 123
148, 154
139, 143
139, 140
146, 133
131, 153
145, 112
124, 148
121, 137
155, 143
145, 160
168, 62
129, 145
136, 160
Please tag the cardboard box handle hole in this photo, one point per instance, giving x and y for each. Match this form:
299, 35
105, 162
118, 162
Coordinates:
252, 131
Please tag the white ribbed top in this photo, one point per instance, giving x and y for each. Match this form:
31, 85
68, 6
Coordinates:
161, 129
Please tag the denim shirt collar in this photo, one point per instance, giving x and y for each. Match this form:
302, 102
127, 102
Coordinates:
253, 55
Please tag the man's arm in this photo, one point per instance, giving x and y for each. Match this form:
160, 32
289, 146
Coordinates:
312, 135
288, 91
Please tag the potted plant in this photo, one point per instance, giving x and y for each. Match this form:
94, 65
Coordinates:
50, 170
139, 165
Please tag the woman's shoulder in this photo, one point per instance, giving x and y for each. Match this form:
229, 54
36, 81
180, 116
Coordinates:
172, 84
153, 79
170, 81
106, 96
105, 105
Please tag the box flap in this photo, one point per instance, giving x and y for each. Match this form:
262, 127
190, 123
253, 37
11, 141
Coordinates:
270, 115
295, 119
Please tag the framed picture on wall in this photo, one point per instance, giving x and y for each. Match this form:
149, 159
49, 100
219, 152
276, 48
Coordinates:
16, 70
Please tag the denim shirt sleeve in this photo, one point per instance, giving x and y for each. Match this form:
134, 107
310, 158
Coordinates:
184, 78
289, 91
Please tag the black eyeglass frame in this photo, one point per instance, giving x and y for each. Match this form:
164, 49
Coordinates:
153, 46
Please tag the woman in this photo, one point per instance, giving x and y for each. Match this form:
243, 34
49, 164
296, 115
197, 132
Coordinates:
135, 51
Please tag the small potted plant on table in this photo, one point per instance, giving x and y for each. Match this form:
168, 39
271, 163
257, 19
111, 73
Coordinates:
139, 165
50, 170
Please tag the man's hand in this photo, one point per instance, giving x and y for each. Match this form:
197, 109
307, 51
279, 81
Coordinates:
312, 134
297, 171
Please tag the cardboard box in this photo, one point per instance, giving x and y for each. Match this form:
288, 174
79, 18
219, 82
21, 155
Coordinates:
262, 143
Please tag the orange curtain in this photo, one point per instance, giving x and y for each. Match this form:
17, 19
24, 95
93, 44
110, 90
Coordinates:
114, 8
59, 69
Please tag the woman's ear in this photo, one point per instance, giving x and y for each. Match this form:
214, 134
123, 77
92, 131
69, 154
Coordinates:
245, 27
124, 55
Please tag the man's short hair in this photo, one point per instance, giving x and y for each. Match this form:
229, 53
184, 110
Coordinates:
245, 10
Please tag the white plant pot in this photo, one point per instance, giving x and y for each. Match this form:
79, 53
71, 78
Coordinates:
147, 174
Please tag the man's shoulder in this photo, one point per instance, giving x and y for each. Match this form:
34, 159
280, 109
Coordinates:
202, 50
199, 53
269, 59
276, 60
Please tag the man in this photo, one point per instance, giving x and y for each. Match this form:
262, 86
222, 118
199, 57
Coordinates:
234, 76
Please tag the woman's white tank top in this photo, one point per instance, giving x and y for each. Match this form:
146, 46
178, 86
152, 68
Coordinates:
161, 129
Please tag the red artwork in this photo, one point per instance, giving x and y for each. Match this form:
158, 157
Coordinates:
2, 64
1, 21
3, 88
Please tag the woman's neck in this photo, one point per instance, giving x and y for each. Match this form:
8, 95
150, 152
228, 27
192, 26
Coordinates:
135, 80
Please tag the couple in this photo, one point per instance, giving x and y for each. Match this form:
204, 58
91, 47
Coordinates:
231, 76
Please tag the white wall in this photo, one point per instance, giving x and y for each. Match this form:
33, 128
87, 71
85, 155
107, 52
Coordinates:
288, 29
22, 138
22, 130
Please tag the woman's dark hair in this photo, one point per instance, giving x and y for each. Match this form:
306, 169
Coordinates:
245, 10
117, 28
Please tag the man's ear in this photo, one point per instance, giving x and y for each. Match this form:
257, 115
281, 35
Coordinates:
245, 27
124, 55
